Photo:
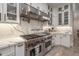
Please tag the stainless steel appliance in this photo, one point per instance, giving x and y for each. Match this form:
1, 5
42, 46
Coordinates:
33, 45
37, 44
47, 43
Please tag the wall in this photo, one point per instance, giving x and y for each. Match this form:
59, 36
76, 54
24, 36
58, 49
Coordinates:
8, 30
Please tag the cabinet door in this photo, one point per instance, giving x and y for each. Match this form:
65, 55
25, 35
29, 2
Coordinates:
0, 12
64, 15
7, 51
57, 39
11, 12
66, 40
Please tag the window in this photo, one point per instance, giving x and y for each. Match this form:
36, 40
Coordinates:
66, 18
60, 18
60, 9
65, 7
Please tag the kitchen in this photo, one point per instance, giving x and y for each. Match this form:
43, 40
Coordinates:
37, 29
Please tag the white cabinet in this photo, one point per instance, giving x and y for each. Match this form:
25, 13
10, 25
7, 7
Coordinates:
62, 39
57, 39
7, 51
0, 12
66, 40
10, 12
64, 15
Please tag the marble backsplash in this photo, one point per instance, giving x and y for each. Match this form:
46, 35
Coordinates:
13, 30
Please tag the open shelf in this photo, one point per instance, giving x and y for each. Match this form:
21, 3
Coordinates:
43, 16
33, 10
11, 16
31, 13
23, 10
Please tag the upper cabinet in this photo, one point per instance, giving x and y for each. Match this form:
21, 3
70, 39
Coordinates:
0, 12
66, 18
9, 12
64, 15
60, 18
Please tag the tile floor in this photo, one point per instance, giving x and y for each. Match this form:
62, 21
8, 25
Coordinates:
63, 51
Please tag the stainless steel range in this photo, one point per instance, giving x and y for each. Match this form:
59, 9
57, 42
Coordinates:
47, 43
37, 44
34, 45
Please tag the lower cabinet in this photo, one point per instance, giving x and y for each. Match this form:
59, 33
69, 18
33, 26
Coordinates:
66, 40
57, 39
13, 50
7, 51
62, 39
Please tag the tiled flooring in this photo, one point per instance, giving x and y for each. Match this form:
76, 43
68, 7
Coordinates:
63, 51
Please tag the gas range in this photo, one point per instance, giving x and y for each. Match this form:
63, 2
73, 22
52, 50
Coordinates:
32, 40
35, 42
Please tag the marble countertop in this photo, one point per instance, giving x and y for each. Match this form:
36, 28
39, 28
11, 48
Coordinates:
10, 41
68, 33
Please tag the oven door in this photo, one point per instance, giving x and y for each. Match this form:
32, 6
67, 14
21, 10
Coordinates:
39, 49
32, 52
48, 45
